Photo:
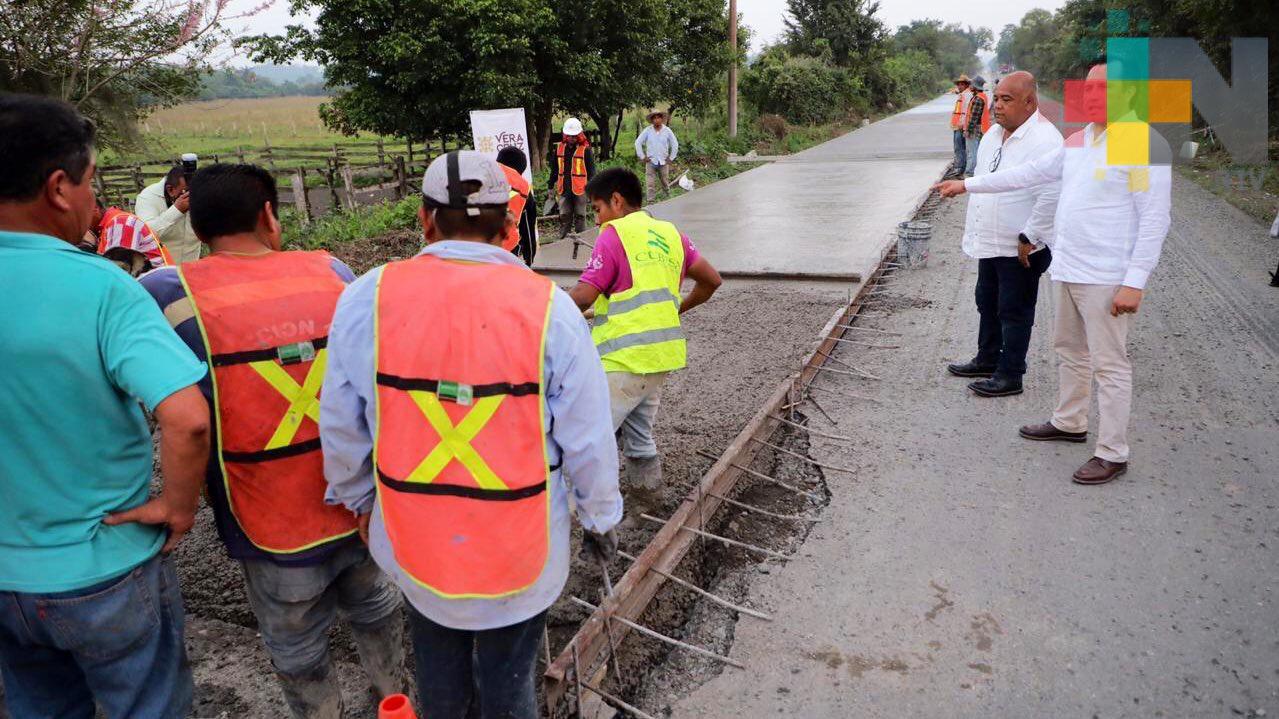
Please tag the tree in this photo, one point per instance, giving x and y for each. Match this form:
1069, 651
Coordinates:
952, 47
115, 60
415, 68
848, 29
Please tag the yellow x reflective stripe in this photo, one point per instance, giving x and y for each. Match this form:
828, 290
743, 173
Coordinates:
303, 400
455, 441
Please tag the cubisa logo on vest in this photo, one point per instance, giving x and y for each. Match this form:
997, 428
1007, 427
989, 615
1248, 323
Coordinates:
650, 257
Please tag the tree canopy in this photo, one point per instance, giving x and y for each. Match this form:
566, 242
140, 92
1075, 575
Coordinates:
415, 69
112, 59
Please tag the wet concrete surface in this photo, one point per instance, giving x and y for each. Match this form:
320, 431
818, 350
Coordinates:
958, 572
827, 209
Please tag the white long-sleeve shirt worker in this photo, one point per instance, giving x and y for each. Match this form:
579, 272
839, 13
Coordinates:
994, 220
1111, 219
660, 147
170, 224
579, 438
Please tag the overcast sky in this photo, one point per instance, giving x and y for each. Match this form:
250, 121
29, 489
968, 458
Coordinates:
764, 16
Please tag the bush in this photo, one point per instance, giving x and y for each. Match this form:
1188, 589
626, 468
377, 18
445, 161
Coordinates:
909, 76
774, 125
804, 90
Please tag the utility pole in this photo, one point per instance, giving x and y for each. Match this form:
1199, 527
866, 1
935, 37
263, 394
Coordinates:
732, 69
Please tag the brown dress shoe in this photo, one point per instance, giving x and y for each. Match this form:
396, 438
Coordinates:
1048, 432
1099, 471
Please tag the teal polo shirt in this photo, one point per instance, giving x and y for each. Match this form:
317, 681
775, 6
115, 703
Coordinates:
81, 344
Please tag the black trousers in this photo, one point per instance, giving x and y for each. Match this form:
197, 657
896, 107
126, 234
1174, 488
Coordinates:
1006, 296
487, 674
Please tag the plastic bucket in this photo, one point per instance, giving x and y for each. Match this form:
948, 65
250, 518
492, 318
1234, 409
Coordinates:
912, 242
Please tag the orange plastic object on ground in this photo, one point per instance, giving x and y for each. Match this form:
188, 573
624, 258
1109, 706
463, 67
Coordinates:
396, 706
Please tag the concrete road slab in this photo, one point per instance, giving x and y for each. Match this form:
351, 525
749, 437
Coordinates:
959, 573
828, 209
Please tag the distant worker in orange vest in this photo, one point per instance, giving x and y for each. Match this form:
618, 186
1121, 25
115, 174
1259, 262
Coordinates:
976, 123
958, 121
521, 239
464, 402
260, 318
572, 166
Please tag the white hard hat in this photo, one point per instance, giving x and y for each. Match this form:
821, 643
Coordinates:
572, 127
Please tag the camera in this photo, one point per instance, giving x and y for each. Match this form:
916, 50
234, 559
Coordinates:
189, 164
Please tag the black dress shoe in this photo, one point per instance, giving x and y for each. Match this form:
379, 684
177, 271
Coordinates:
971, 369
996, 386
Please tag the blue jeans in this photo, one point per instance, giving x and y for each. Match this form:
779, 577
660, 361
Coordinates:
296, 606
1006, 296
118, 643
486, 674
961, 152
970, 151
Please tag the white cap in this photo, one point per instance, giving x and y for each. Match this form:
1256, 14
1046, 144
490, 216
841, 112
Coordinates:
572, 127
442, 182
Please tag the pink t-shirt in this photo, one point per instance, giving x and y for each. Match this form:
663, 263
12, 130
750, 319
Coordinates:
610, 273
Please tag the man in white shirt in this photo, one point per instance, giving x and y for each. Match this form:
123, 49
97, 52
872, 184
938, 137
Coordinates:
1111, 221
657, 146
163, 206
1009, 235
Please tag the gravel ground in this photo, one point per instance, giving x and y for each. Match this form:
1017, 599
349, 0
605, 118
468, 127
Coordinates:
960, 573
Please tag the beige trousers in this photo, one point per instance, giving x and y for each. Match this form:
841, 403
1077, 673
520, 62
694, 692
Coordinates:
1090, 344
657, 179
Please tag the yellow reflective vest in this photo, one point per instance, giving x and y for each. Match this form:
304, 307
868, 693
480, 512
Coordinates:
638, 330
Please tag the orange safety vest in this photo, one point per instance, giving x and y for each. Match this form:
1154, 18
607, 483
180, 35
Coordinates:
265, 323
460, 452
985, 112
958, 114
578, 170
519, 196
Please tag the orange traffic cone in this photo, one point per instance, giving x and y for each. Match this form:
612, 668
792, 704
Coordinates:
396, 706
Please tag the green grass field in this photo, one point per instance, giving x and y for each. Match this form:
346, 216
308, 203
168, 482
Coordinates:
221, 126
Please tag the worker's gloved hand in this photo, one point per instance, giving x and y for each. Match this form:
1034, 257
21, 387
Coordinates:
599, 547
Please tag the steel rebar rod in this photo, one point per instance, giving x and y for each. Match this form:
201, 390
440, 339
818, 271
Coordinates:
810, 460
616, 703
765, 477
662, 637
721, 538
849, 365
848, 395
864, 344
810, 430
693, 587
869, 329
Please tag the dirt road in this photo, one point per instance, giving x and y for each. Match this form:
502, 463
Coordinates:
960, 573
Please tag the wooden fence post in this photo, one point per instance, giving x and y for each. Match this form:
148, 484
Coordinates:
300, 199
239, 152
348, 184
268, 156
381, 161
330, 174
401, 178
410, 146
102, 186
137, 178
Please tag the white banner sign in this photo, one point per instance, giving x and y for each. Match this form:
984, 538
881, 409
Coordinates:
492, 130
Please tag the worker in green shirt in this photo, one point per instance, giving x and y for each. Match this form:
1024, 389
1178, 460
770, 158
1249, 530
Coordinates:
92, 613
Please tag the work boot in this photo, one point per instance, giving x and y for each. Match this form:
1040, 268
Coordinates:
314, 695
644, 472
643, 488
381, 648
